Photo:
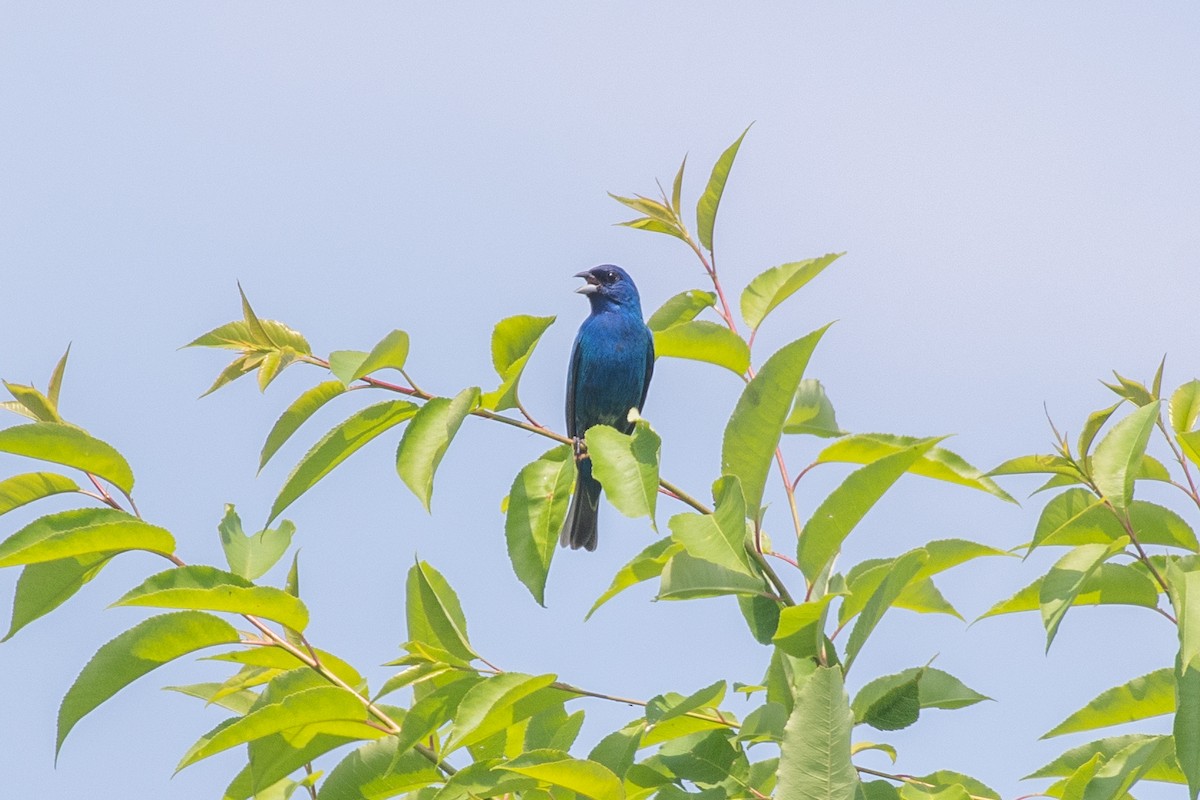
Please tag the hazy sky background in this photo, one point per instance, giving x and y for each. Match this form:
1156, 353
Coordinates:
1016, 186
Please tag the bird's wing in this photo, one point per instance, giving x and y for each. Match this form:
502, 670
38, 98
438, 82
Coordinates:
649, 369
572, 373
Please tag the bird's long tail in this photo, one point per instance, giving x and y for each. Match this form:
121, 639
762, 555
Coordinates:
579, 529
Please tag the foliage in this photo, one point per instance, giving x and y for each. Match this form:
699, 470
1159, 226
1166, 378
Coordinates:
467, 728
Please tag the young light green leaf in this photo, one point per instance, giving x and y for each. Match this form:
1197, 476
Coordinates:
339, 444
307, 707
583, 777
242, 365
1074, 787
753, 431
427, 438
777, 284
390, 353
645, 565
1126, 767
1111, 584
846, 505
706, 208
36, 403
434, 613
1186, 725
1067, 578
344, 364
815, 753
681, 308
1131, 390
938, 462
82, 532
801, 630
513, 341
27, 487
238, 702
687, 578
1141, 698
902, 572
230, 336
627, 467
45, 586
251, 556
719, 537
1095, 422
945, 782
149, 644
56, 379
65, 444
1037, 465
654, 226
700, 340
499, 703
1115, 463
296, 415
1184, 408
1077, 516
203, 588
664, 707
378, 770
537, 506
1065, 765
812, 412
278, 658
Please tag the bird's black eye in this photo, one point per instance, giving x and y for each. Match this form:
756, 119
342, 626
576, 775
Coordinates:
610, 276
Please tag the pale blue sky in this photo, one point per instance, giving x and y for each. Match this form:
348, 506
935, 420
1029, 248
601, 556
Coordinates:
1017, 186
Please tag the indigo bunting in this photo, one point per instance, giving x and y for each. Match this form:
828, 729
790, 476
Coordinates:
611, 365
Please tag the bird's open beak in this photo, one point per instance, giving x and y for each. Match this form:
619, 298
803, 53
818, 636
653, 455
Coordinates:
592, 285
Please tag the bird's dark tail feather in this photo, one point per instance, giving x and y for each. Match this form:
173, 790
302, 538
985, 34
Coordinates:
580, 527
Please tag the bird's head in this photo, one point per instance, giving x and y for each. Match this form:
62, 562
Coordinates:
609, 286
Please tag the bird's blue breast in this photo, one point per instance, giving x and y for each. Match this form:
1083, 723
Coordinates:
609, 370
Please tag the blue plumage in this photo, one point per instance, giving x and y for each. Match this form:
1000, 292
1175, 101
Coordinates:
611, 365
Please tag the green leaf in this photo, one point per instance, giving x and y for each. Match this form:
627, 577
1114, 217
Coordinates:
1066, 764
1095, 422
901, 574
344, 364
204, 588
687, 578
801, 630
665, 707
281, 659
897, 708
700, 340
683, 307
706, 208
1186, 725
764, 724
645, 565
1077, 516
761, 615
757, 422
296, 415
149, 644
1037, 465
583, 777
339, 444
1115, 463
56, 379
45, 586
654, 226
937, 462
230, 336
378, 770
498, 703
1184, 408
945, 778
36, 403
1141, 698
434, 613
1190, 444
240, 366
719, 537
251, 556
936, 689
777, 284
238, 702
427, 438
81, 532
618, 749
513, 341
70, 446
306, 707
846, 505
814, 761
537, 506
27, 487
1068, 577
812, 412
1111, 584
390, 353
627, 467
1076, 785
1126, 767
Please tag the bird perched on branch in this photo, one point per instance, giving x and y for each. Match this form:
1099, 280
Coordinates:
611, 365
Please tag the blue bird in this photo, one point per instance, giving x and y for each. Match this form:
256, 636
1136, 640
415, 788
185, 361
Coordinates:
611, 365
